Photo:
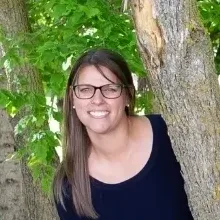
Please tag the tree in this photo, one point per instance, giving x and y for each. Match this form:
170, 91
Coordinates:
10, 171
23, 78
177, 52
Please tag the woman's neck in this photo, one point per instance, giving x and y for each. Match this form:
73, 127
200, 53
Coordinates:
114, 145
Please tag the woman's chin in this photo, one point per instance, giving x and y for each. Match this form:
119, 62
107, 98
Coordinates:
98, 129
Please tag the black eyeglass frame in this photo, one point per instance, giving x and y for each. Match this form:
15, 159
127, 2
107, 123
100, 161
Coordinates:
100, 88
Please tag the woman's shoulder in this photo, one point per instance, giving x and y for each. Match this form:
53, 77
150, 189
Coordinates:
140, 123
151, 125
149, 119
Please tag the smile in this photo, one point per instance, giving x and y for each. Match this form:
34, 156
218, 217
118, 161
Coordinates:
98, 114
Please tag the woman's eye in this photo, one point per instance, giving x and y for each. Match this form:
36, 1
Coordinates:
84, 90
112, 89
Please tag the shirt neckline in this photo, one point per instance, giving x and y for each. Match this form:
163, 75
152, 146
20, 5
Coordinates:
137, 177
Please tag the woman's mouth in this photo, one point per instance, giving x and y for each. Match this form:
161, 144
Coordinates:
98, 114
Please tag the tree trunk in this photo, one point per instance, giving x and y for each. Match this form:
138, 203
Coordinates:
177, 52
14, 20
11, 199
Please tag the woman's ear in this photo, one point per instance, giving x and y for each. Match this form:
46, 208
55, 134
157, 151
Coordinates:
127, 101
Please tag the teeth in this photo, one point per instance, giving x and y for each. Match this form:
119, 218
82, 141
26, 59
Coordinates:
98, 113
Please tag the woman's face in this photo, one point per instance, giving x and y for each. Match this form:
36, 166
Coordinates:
99, 114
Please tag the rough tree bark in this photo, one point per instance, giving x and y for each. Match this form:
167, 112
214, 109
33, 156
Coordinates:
177, 52
11, 199
14, 21
10, 172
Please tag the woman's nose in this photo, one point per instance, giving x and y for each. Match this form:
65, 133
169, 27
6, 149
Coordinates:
98, 98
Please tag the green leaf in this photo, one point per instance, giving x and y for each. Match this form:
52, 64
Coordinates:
59, 10
47, 57
36, 171
23, 124
57, 83
57, 116
40, 150
108, 30
49, 4
90, 12
4, 99
47, 179
75, 20
46, 184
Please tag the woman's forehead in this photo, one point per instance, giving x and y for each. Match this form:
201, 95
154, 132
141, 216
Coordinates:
90, 75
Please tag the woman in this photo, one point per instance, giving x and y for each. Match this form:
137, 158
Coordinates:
116, 166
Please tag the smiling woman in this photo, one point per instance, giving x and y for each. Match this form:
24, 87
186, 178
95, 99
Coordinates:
115, 165
94, 98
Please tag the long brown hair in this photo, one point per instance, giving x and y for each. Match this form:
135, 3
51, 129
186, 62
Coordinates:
73, 170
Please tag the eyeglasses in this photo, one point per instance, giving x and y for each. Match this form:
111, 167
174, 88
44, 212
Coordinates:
109, 91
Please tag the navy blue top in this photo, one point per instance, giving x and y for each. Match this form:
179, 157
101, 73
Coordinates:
155, 193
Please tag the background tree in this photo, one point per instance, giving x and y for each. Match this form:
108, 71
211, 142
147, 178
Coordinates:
10, 171
177, 51
24, 80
